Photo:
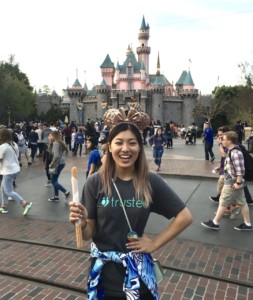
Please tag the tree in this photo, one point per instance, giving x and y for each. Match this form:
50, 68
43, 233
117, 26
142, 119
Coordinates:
216, 104
15, 92
247, 76
46, 90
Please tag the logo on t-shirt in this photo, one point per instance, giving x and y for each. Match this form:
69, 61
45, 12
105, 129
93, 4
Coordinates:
112, 202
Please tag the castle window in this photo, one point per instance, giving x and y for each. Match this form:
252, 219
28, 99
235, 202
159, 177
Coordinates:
129, 71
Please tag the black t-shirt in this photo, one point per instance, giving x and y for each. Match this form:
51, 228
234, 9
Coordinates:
111, 225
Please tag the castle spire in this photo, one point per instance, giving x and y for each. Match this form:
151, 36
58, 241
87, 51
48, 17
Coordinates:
143, 50
158, 66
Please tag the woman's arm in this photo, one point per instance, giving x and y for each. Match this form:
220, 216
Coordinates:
55, 154
146, 245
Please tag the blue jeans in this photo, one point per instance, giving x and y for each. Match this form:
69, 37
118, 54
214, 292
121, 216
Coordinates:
33, 151
55, 183
157, 155
7, 189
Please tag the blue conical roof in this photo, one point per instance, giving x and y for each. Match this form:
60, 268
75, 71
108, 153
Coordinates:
118, 67
188, 79
85, 87
54, 93
77, 83
131, 59
107, 62
182, 78
103, 82
143, 24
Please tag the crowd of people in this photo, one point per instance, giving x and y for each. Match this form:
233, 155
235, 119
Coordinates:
115, 174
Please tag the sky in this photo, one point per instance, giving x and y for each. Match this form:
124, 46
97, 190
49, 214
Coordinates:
55, 42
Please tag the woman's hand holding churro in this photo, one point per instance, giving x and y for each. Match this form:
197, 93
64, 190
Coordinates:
78, 212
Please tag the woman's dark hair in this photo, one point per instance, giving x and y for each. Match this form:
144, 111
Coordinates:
108, 169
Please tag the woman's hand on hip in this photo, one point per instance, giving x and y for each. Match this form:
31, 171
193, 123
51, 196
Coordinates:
142, 245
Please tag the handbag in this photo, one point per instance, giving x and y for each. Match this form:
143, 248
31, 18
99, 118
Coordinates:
52, 171
158, 269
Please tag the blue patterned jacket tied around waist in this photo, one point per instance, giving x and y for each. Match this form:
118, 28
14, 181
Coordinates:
137, 266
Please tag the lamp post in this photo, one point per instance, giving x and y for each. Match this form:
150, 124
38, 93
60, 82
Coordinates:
250, 114
9, 116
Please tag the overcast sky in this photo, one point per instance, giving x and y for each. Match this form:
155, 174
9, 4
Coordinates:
52, 39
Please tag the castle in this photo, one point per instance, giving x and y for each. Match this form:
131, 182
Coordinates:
130, 85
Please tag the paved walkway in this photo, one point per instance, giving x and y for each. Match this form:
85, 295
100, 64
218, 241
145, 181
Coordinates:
202, 264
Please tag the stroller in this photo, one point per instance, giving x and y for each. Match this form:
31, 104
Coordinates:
189, 137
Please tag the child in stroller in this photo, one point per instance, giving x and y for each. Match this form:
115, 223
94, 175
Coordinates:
189, 136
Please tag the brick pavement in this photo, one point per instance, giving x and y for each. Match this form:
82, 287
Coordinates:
69, 267
186, 259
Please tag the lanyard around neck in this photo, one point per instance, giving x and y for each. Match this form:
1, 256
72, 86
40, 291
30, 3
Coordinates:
123, 207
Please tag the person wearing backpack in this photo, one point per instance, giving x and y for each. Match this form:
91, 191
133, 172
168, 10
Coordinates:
232, 213
22, 144
234, 171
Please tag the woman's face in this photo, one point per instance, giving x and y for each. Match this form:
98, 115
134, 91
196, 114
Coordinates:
159, 131
125, 149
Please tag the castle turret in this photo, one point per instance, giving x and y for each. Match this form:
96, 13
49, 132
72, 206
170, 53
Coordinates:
108, 70
143, 72
187, 92
103, 92
76, 94
157, 91
143, 50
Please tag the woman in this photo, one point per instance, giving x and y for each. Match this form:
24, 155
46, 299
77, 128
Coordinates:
56, 149
9, 168
22, 145
103, 220
33, 141
157, 141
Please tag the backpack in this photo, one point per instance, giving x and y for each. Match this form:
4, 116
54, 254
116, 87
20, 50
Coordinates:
248, 162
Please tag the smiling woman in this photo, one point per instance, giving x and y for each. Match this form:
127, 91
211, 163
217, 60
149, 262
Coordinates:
117, 201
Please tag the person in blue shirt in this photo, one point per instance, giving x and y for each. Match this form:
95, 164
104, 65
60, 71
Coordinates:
208, 141
79, 140
94, 160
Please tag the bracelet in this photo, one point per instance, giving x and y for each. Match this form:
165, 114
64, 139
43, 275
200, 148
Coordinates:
83, 227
